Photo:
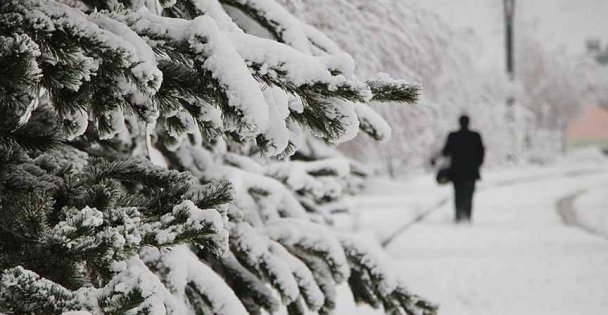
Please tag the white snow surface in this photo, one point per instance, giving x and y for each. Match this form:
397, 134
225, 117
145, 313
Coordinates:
517, 257
214, 9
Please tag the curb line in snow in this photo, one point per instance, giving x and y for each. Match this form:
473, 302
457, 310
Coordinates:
565, 208
416, 219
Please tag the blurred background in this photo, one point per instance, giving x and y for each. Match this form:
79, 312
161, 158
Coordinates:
552, 98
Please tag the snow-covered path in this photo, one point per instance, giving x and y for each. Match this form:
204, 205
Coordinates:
518, 257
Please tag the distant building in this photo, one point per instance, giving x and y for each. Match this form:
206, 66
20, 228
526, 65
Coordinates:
590, 128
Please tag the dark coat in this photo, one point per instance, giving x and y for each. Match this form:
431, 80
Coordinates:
466, 151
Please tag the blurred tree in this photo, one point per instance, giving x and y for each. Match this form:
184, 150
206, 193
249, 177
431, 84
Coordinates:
402, 39
416, 43
555, 86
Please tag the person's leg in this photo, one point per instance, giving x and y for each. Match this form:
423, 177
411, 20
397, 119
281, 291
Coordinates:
459, 199
468, 207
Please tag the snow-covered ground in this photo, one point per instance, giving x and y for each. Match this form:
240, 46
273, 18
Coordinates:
591, 210
518, 256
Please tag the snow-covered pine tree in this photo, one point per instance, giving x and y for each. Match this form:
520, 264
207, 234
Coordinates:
147, 161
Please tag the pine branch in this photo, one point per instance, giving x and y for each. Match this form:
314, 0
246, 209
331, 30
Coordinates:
389, 90
30, 137
24, 292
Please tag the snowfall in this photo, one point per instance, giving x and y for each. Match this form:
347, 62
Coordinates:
538, 243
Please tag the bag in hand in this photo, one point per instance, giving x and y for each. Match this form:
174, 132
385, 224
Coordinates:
443, 176
443, 171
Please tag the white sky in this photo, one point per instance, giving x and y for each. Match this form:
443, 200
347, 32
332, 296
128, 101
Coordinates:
562, 24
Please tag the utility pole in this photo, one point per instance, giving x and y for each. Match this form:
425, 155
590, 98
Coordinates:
509, 11
509, 15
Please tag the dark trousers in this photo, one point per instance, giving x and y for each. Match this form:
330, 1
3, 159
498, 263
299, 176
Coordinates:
463, 199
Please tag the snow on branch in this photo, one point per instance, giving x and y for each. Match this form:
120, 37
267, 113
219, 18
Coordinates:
311, 238
25, 291
292, 69
188, 223
386, 89
372, 123
284, 26
73, 48
19, 72
134, 288
318, 185
212, 8
251, 289
253, 250
213, 53
287, 29
373, 281
192, 282
270, 197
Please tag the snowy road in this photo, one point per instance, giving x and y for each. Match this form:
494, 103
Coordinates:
517, 258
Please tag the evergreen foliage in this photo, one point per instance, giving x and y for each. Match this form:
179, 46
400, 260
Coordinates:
154, 159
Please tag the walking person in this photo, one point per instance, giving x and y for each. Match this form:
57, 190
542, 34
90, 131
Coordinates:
466, 151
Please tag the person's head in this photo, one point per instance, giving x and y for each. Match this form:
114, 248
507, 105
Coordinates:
464, 122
